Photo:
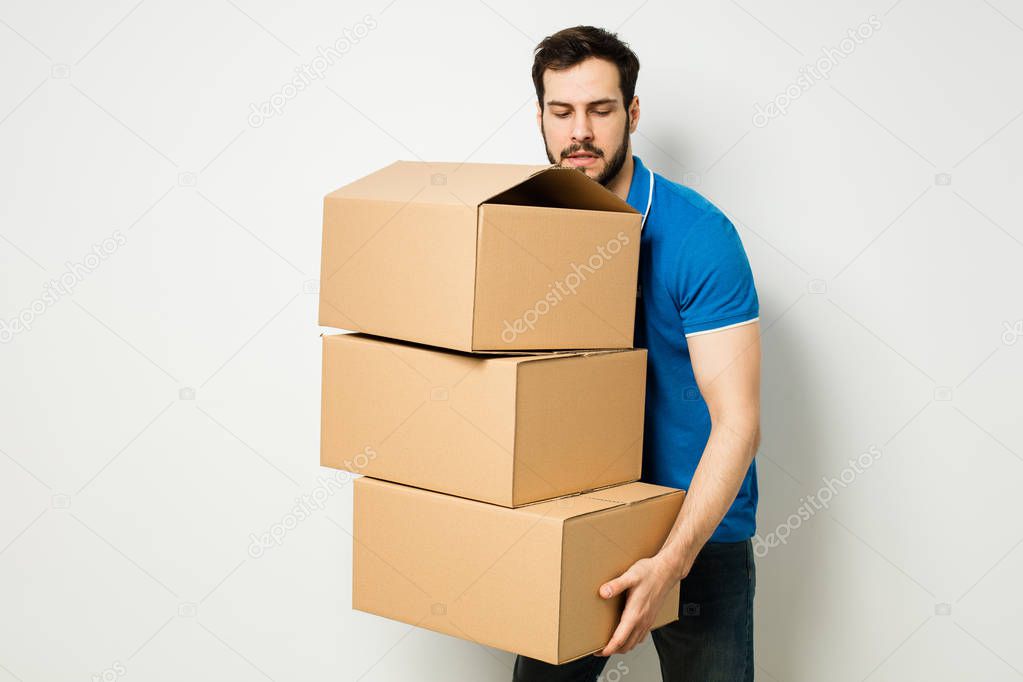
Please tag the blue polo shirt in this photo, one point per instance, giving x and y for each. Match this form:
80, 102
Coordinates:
694, 278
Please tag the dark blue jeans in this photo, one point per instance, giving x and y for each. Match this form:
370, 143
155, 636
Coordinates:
712, 641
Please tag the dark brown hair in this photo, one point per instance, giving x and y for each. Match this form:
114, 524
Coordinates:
570, 46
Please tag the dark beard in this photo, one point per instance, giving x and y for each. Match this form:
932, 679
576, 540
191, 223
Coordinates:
613, 167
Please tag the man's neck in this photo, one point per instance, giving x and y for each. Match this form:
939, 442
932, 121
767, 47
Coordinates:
622, 182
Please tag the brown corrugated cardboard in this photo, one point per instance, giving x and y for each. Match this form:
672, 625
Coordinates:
524, 580
478, 257
503, 429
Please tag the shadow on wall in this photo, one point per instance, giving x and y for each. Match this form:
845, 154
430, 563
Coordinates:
792, 438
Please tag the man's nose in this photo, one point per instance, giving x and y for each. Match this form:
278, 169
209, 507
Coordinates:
582, 132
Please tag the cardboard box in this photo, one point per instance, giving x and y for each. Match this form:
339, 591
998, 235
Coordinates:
475, 256
509, 430
524, 580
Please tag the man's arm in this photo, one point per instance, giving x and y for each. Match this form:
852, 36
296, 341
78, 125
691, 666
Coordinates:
727, 369
726, 364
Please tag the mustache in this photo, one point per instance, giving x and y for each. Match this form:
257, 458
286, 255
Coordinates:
589, 149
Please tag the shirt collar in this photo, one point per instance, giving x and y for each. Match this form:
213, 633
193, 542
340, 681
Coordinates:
640, 187
639, 190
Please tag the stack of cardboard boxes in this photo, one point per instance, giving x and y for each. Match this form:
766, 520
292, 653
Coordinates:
491, 399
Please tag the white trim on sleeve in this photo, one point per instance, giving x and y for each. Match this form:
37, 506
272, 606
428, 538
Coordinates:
727, 326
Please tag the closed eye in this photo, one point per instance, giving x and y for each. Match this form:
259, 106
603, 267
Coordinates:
567, 114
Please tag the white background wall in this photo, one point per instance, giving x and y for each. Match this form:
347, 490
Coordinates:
891, 301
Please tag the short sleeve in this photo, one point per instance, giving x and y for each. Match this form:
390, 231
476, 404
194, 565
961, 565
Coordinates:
714, 285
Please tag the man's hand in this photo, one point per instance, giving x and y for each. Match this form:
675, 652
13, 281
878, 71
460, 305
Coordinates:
647, 582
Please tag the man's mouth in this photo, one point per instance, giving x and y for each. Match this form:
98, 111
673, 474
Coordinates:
581, 159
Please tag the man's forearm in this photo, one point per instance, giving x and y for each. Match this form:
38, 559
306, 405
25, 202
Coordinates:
726, 458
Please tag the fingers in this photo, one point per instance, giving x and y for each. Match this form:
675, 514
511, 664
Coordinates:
630, 624
638, 635
630, 630
626, 637
618, 639
615, 587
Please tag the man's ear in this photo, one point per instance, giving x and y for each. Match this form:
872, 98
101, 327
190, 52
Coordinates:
634, 114
539, 115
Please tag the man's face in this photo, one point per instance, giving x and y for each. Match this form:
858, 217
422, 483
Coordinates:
584, 122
